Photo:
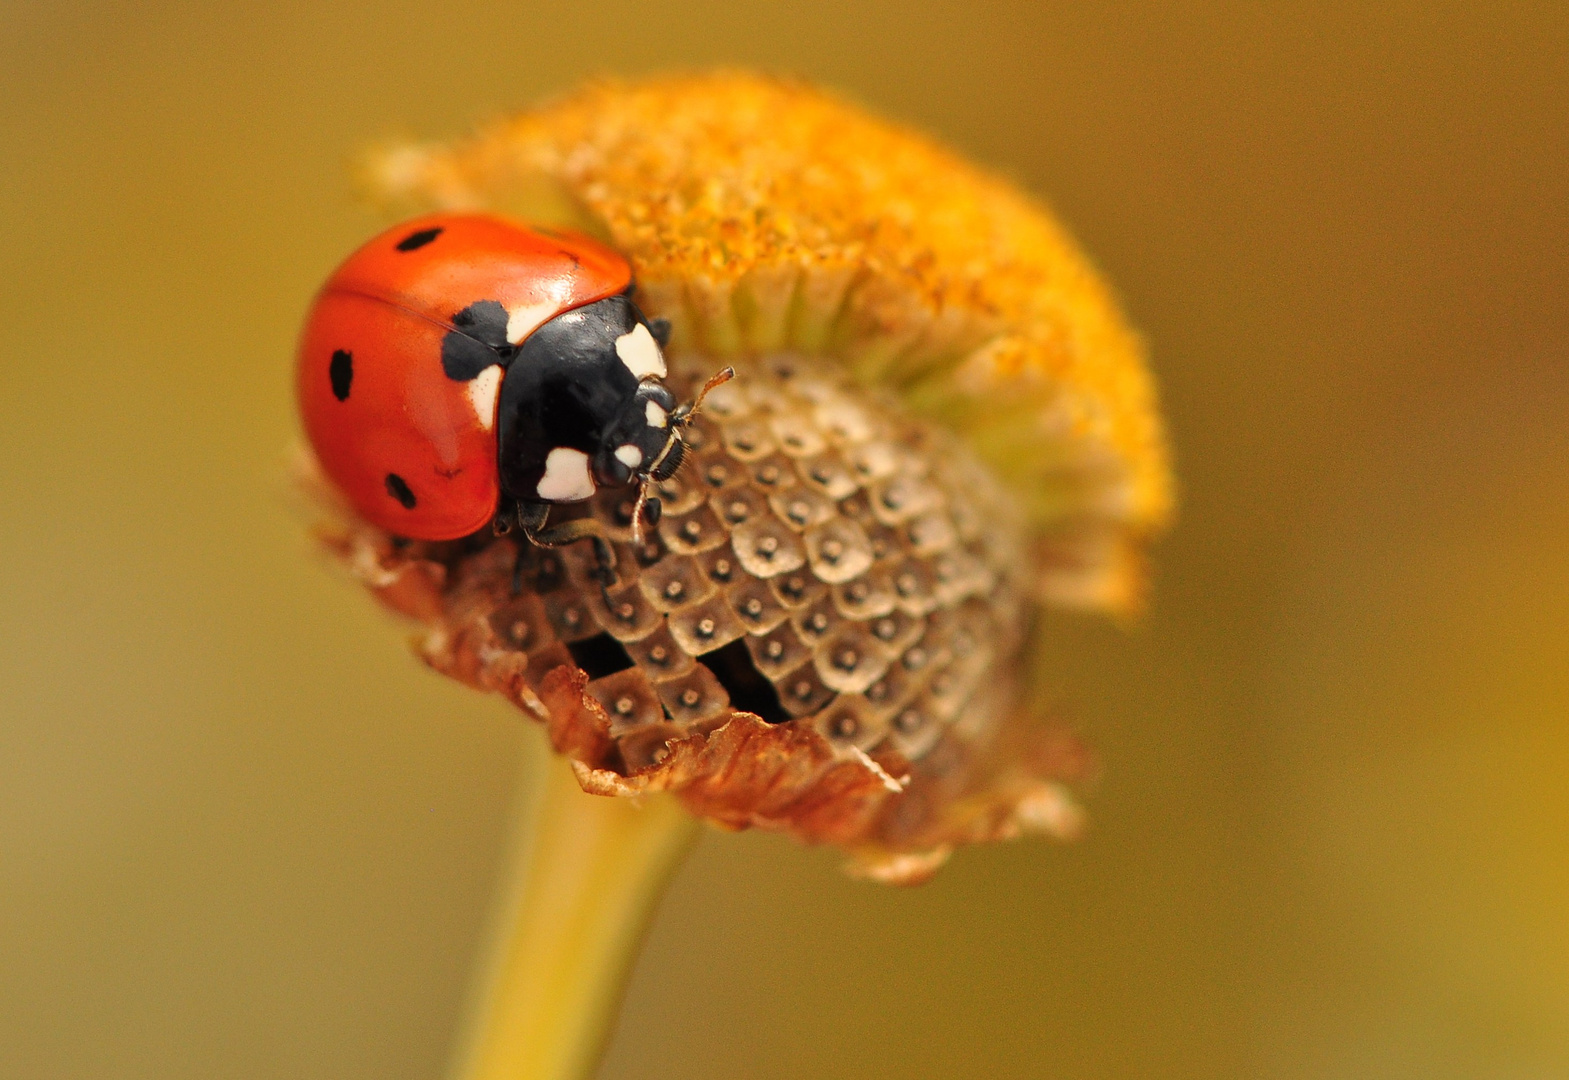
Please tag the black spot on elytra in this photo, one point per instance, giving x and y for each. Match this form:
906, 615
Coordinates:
416, 240
478, 340
341, 372
398, 488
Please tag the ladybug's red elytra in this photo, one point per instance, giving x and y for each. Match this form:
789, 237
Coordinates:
462, 370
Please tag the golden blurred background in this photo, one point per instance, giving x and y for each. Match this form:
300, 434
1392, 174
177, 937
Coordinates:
244, 834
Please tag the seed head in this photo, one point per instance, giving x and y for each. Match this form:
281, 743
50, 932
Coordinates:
939, 421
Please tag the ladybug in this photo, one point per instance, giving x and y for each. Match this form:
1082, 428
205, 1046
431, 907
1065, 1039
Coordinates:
463, 370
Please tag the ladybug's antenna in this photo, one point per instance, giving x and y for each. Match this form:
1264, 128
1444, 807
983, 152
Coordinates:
718, 379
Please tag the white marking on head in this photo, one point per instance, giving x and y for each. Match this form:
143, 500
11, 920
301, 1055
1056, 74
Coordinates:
566, 476
640, 353
629, 455
482, 391
657, 417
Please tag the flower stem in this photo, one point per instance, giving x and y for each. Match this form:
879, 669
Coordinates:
587, 873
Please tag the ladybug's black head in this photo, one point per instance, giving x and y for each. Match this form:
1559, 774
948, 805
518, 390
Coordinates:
631, 443
663, 465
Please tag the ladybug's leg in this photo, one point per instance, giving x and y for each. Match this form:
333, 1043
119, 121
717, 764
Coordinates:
505, 518
645, 511
532, 518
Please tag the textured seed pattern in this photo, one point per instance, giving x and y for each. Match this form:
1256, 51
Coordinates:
831, 652
819, 559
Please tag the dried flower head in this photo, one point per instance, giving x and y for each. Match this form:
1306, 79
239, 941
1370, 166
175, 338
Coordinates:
940, 419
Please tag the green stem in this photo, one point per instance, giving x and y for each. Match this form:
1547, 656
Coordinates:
587, 873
